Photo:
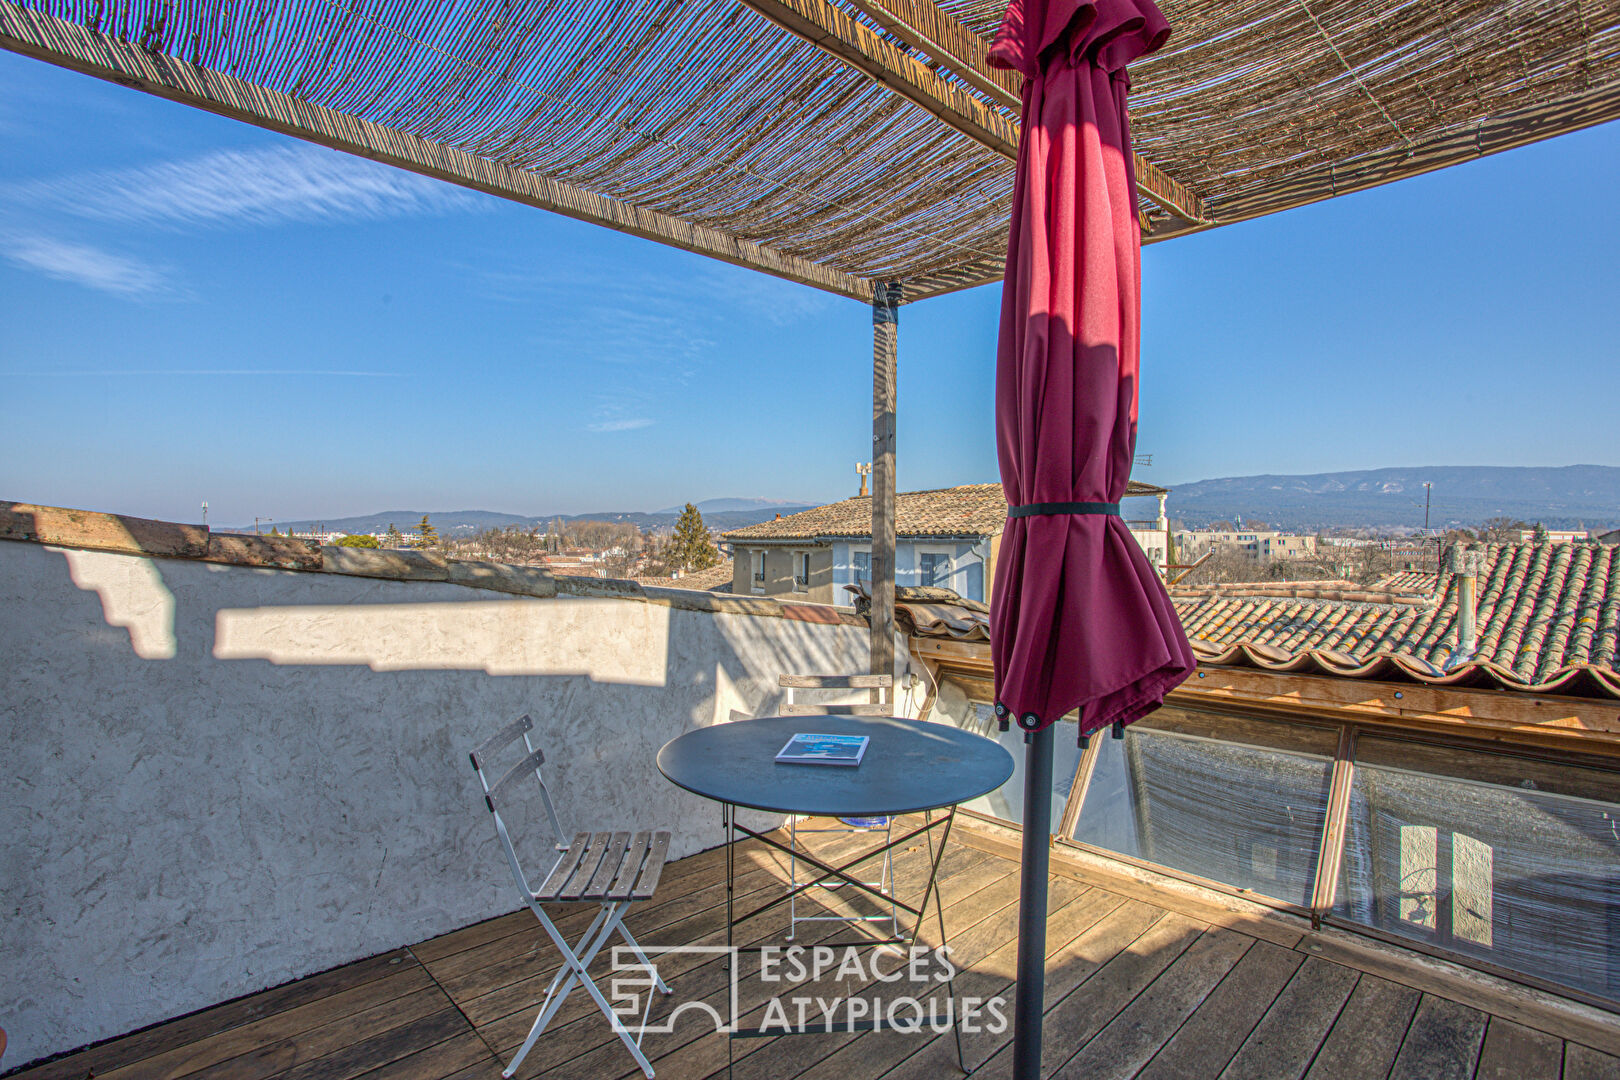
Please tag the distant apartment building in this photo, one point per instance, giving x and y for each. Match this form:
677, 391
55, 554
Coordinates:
1194, 544
946, 538
1554, 536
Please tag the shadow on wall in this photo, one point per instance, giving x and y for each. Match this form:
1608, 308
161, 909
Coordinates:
222, 778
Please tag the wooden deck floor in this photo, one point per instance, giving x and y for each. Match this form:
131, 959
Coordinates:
1140, 984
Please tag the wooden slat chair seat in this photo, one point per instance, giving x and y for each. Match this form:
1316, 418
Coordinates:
611, 869
885, 882
607, 866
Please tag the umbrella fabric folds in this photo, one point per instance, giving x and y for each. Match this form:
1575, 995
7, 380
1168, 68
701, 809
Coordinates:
1079, 619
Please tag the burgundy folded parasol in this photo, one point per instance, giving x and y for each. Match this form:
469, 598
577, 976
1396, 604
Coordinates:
1079, 619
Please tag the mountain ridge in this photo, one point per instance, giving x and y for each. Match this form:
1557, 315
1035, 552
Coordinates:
467, 522
1563, 496
1389, 498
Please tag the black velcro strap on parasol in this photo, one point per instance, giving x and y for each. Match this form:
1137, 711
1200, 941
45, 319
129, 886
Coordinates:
1044, 509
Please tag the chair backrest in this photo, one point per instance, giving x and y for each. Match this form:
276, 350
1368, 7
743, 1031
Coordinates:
835, 682
502, 793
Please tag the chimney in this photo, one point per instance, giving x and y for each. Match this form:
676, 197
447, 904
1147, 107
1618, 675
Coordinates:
1466, 566
863, 467
778, 517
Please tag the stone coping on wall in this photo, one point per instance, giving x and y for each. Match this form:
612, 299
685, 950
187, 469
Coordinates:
91, 530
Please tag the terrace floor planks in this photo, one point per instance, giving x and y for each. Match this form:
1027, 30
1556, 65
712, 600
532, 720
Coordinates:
1138, 985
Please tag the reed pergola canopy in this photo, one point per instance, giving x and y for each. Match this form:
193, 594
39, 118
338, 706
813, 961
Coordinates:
846, 143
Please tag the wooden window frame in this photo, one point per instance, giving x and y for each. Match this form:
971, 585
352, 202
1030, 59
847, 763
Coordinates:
1330, 855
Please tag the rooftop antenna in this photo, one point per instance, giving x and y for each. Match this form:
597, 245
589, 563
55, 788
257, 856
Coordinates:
1144, 460
256, 520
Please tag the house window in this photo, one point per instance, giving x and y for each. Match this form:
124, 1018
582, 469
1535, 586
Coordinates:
933, 568
759, 569
801, 570
863, 567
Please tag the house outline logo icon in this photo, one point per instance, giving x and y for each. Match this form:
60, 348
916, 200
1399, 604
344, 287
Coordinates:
632, 979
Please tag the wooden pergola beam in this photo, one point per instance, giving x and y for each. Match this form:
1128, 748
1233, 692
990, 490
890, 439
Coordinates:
66, 44
1169, 193
951, 45
847, 39
924, 26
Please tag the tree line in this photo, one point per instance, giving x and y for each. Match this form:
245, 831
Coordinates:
624, 549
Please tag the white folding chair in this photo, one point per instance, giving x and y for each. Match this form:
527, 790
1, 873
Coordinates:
612, 870
882, 685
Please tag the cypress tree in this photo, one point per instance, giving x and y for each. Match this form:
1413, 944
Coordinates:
427, 535
691, 548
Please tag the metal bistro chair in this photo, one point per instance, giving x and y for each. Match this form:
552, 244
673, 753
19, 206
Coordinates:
885, 825
613, 870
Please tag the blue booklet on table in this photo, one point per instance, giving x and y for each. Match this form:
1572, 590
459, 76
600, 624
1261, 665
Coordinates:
824, 750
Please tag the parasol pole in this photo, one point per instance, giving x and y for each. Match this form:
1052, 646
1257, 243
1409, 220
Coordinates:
1030, 996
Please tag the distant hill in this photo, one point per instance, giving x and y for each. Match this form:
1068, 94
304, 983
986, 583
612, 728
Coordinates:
468, 522
720, 506
1463, 495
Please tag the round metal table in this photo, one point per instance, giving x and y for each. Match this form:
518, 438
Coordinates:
910, 766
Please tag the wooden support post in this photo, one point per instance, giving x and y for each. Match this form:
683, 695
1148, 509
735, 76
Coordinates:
1331, 855
885, 342
1082, 783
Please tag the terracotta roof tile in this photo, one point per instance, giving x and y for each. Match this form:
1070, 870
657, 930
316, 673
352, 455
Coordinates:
714, 579
968, 510
1547, 620
1409, 581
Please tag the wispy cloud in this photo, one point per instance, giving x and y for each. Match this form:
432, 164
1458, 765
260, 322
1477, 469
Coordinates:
717, 291
645, 335
626, 410
627, 424
253, 187
778, 302
92, 267
150, 373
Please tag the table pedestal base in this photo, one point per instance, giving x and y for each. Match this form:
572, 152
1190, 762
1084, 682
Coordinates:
735, 830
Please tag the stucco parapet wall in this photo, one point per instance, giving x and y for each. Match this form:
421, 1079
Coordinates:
101, 532
392, 563
275, 552
502, 577
141, 536
714, 603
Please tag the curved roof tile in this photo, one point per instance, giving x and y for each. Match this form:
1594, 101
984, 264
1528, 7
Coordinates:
1547, 621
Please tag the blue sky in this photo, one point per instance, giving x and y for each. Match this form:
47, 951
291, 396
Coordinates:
196, 309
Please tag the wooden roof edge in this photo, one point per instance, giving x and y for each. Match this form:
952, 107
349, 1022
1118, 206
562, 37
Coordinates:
1543, 719
66, 44
1524, 719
